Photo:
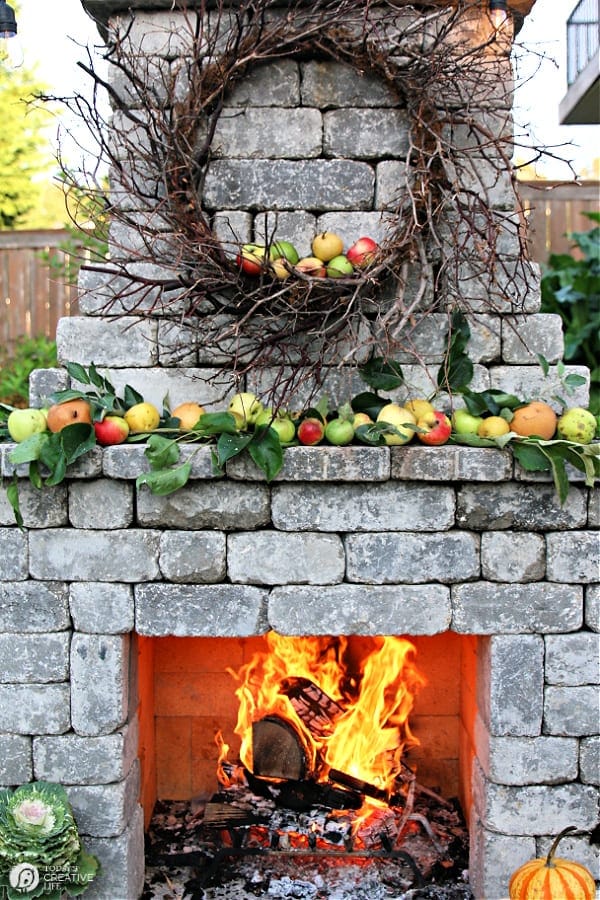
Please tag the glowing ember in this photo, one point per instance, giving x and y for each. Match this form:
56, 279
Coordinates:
368, 686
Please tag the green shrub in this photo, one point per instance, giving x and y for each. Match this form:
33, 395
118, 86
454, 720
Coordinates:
571, 288
17, 363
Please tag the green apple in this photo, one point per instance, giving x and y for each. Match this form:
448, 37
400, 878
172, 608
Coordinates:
465, 423
339, 432
577, 424
279, 422
339, 266
22, 423
285, 250
246, 405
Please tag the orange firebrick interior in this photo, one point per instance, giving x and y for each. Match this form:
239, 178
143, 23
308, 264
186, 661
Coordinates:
186, 696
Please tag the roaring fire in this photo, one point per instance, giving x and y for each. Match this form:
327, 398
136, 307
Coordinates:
372, 683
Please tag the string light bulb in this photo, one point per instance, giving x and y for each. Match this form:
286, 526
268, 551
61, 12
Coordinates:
11, 52
498, 10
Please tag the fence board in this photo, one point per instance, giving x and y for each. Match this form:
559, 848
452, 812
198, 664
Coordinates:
32, 297
553, 210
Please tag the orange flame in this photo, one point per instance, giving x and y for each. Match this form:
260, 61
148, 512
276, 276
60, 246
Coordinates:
373, 682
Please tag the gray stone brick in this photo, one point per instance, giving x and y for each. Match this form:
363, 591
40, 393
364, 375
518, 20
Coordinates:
512, 556
391, 185
72, 759
15, 759
122, 862
100, 504
275, 557
573, 556
365, 133
589, 760
33, 606
594, 508
352, 225
355, 464
275, 84
296, 226
519, 506
99, 607
530, 381
412, 557
360, 609
207, 505
177, 343
451, 463
573, 659
103, 810
331, 84
108, 342
120, 555
592, 607
510, 685
43, 383
99, 683
196, 557
286, 184
490, 607
221, 610
540, 760
375, 507
524, 337
571, 710
248, 134
232, 227
45, 508
34, 708
493, 857
514, 289
14, 557
535, 809
34, 658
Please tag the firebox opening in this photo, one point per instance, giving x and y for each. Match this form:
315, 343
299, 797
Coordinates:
187, 697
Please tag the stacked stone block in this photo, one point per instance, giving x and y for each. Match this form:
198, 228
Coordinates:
344, 541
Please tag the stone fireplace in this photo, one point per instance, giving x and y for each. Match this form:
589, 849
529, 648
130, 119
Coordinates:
121, 611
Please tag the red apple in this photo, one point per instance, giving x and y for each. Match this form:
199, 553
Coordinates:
362, 252
436, 428
251, 259
310, 431
111, 430
310, 265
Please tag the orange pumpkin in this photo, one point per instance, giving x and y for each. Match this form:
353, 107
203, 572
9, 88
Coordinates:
552, 878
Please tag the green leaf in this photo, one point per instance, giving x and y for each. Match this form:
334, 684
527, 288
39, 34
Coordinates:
230, 445
161, 452
29, 449
12, 494
76, 440
559, 474
370, 434
456, 372
165, 481
217, 423
573, 380
131, 396
78, 372
382, 374
544, 364
69, 394
369, 403
266, 451
472, 440
103, 384
492, 401
530, 456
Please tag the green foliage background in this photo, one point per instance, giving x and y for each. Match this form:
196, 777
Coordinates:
27, 354
571, 289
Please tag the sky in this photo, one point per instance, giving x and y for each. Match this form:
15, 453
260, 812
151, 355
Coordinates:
51, 31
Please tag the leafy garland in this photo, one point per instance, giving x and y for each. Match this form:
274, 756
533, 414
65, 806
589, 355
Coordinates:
48, 455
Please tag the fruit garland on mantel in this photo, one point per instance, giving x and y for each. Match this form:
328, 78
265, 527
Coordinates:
159, 148
81, 418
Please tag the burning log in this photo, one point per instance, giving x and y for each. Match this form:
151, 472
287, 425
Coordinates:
312, 705
303, 795
277, 750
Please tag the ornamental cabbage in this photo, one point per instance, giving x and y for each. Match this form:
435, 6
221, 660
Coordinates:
37, 828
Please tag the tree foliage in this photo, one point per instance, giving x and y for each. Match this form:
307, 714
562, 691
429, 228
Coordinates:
25, 152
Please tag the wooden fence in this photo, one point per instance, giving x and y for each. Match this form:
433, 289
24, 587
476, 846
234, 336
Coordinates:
553, 210
33, 297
